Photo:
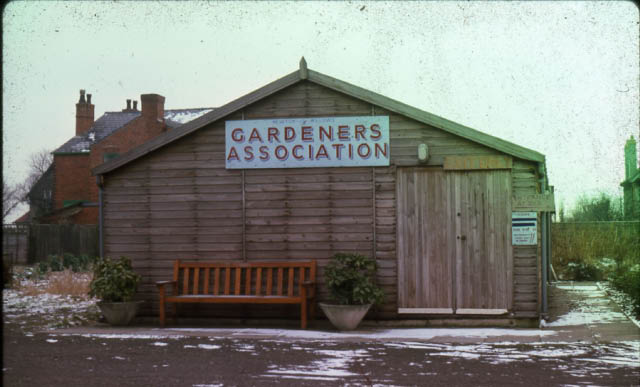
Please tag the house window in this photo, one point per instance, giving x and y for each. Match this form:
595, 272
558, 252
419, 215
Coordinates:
109, 156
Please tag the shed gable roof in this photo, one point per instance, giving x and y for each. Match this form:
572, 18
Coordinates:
335, 84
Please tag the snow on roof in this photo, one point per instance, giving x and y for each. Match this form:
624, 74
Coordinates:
185, 115
109, 122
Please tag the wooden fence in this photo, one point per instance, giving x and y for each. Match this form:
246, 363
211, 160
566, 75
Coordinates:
29, 244
15, 244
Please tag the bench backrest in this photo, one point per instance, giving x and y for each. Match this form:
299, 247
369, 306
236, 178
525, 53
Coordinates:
243, 278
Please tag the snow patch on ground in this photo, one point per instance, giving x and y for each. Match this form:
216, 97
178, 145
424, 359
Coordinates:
622, 299
595, 308
15, 303
52, 309
208, 346
126, 336
332, 367
374, 334
624, 353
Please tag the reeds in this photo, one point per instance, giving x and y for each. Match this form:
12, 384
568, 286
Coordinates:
58, 282
589, 243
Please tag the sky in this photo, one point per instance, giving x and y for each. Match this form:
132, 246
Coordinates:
561, 78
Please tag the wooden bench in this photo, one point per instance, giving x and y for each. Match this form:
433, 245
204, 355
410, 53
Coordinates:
286, 282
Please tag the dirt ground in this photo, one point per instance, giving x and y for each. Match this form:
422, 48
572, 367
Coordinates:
42, 359
35, 353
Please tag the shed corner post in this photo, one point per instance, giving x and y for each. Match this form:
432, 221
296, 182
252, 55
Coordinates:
100, 183
546, 236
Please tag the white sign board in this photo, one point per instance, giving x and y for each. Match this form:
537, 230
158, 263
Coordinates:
308, 142
524, 228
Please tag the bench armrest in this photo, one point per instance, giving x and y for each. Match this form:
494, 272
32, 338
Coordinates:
161, 284
308, 289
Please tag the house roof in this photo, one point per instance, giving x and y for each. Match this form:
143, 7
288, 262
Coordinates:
23, 219
112, 121
324, 80
635, 177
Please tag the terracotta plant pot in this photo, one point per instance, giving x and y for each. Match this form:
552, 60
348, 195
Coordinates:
345, 317
119, 313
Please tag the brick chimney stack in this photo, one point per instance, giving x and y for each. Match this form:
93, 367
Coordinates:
84, 114
129, 108
153, 106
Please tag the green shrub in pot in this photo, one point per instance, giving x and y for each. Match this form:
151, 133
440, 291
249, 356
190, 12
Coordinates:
114, 280
351, 282
115, 283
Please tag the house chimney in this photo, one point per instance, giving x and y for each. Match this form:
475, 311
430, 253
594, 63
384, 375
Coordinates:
84, 114
153, 106
128, 104
135, 106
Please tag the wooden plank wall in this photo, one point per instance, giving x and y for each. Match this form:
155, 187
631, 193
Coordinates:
526, 259
180, 201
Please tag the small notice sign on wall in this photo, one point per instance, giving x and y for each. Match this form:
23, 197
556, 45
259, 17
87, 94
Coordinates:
477, 162
524, 228
308, 142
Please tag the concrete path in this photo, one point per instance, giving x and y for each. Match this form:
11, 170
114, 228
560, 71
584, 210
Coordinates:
582, 311
579, 312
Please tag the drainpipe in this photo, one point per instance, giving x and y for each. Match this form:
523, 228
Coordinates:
544, 217
545, 259
100, 216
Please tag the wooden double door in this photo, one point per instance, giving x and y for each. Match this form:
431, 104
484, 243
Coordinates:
453, 241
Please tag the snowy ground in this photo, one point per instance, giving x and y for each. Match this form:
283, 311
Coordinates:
620, 298
44, 310
328, 356
594, 307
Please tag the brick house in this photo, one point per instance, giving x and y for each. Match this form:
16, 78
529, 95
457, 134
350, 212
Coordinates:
67, 191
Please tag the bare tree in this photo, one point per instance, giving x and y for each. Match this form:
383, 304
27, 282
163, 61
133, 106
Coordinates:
14, 195
10, 198
39, 162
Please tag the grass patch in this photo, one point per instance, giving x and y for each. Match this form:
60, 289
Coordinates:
594, 250
64, 282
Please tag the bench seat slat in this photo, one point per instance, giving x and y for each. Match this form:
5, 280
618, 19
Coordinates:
201, 298
272, 264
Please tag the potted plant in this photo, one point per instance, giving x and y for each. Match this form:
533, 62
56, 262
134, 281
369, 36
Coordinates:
114, 283
351, 282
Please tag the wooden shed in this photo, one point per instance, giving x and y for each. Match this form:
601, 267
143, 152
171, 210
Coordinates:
456, 219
